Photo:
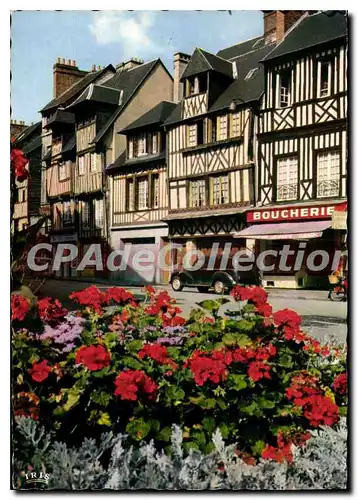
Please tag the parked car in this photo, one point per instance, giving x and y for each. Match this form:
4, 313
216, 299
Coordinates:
220, 281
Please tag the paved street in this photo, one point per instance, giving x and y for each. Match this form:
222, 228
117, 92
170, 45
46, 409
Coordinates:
321, 317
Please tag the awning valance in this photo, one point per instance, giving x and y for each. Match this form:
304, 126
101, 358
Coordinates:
285, 231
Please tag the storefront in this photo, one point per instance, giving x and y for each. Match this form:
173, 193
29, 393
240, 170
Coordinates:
67, 269
295, 245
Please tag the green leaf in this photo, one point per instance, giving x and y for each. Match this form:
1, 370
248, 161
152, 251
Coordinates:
265, 403
104, 419
101, 398
72, 399
101, 373
164, 434
224, 430
258, 447
110, 339
210, 305
209, 424
221, 403
285, 360
238, 339
174, 393
133, 363
205, 403
189, 445
134, 346
199, 438
138, 428
343, 411
249, 409
245, 325
237, 382
222, 300
154, 425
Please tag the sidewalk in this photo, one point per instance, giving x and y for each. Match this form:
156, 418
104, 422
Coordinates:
281, 293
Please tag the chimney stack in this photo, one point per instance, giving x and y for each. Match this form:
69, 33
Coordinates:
65, 74
278, 22
16, 128
180, 63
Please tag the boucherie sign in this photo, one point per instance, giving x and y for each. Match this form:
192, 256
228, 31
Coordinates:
290, 213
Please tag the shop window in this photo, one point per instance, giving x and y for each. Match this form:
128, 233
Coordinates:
328, 174
85, 215
197, 193
287, 178
67, 213
219, 190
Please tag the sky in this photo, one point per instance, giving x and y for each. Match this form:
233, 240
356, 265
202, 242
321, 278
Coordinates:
110, 37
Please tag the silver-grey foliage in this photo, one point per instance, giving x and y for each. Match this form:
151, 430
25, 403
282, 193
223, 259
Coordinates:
321, 464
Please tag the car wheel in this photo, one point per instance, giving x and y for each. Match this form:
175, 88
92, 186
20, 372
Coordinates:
219, 287
202, 289
177, 284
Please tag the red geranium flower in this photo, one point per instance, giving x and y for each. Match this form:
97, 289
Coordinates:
149, 290
340, 384
94, 357
208, 367
320, 410
258, 370
152, 310
130, 382
20, 306
40, 371
119, 295
91, 297
158, 353
19, 163
50, 311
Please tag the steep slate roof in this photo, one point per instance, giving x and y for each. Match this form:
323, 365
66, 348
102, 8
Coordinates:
313, 30
247, 90
202, 61
32, 145
128, 81
61, 116
98, 93
242, 48
47, 155
29, 131
156, 115
76, 87
122, 162
69, 144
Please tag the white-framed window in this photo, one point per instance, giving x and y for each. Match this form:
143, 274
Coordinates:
155, 191
143, 193
142, 149
222, 127
155, 143
81, 165
235, 124
62, 171
192, 132
85, 214
197, 193
94, 163
130, 148
284, 89
67, 213
328, 174
130, 195
324, 78
219, 190
287, 178
99, 212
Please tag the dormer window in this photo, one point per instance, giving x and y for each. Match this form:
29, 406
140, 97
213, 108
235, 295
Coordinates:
196, 85
143, 144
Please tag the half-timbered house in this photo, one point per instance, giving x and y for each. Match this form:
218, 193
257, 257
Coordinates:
141, 199
211, 145
59, 152
302, 142
28, 192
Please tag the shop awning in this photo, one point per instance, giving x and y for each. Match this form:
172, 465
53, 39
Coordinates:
285, 231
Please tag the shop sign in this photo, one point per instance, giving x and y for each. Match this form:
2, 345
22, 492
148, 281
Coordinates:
339, 220
290, 213
63, 238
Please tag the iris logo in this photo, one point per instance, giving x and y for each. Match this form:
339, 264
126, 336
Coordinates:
37, 477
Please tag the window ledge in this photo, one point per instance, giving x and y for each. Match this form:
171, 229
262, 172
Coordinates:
212, 145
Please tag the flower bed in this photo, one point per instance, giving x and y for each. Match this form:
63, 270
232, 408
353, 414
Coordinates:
140, 368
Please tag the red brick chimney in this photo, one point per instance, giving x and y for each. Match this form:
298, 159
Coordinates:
180, 63
65, 74
16, 128
278, 22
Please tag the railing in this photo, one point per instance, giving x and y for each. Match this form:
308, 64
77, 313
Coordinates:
327, 188
287, 192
